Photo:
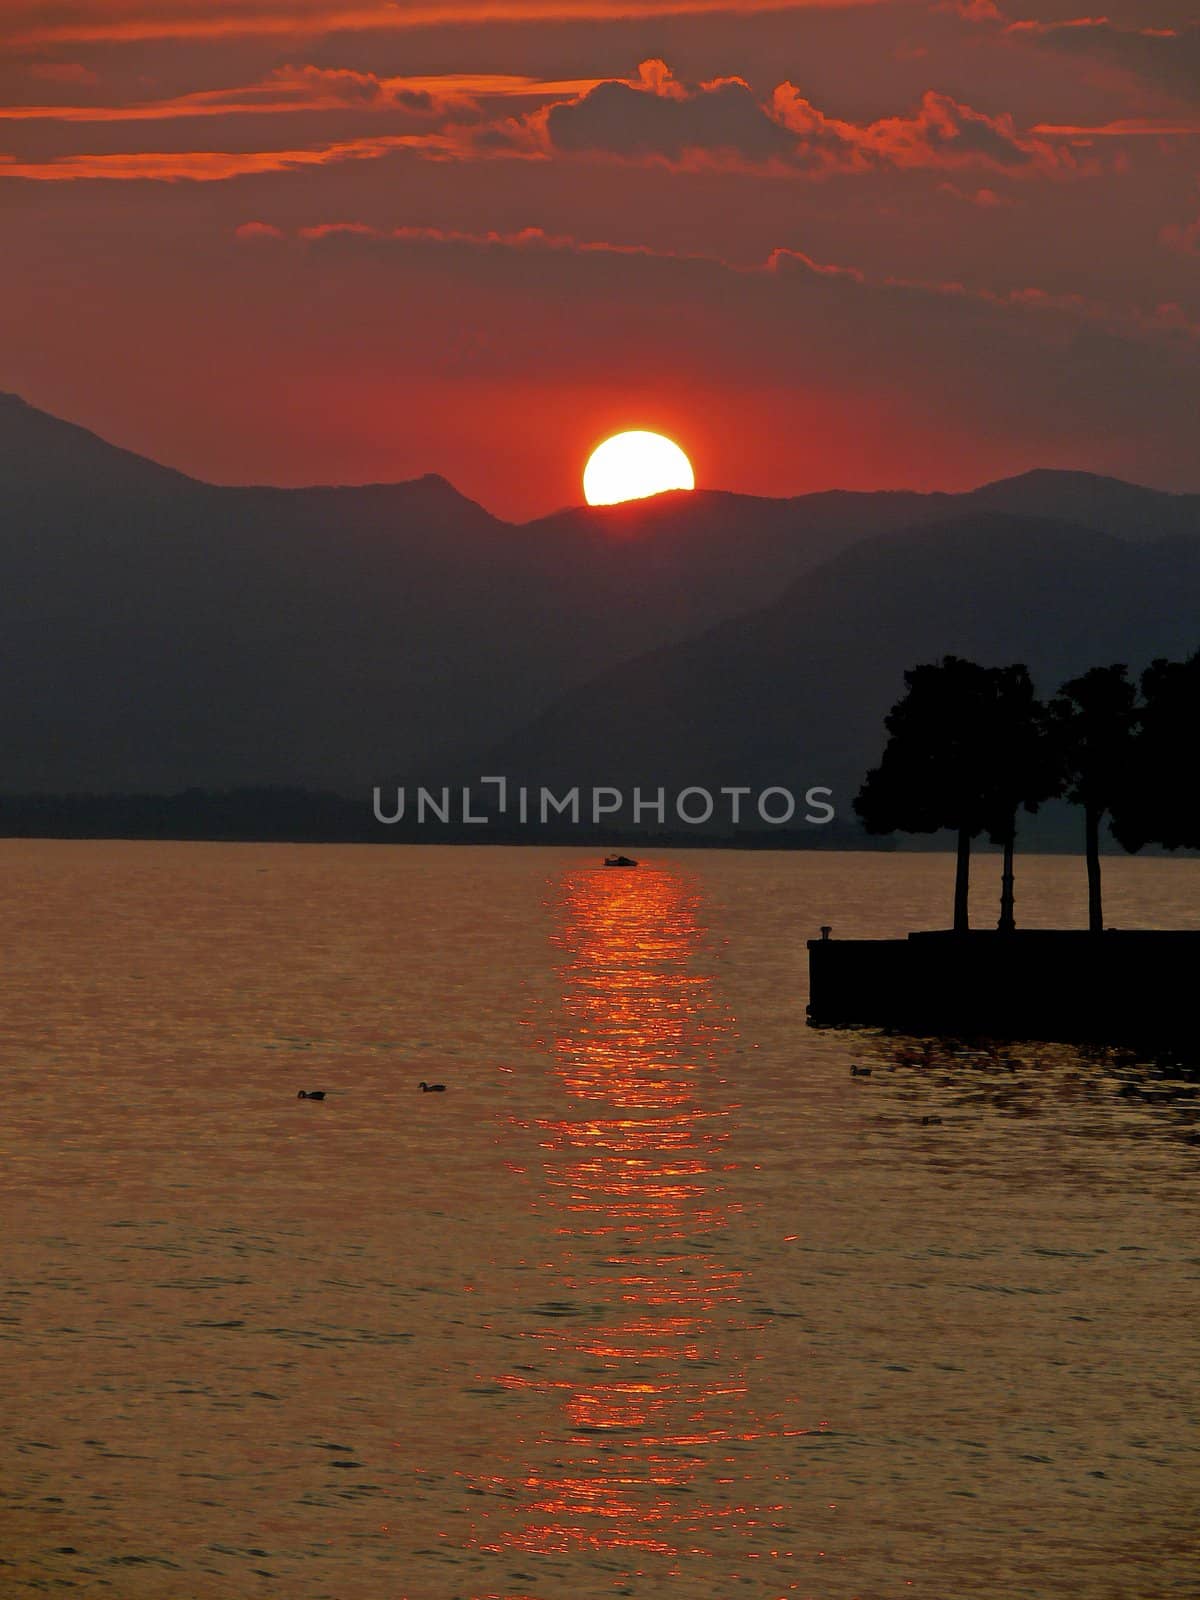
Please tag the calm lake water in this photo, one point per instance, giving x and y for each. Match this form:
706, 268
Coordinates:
656, 1300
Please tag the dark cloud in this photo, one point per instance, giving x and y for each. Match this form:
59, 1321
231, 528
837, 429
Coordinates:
1167, 58
659, 117
654, 118
944, 133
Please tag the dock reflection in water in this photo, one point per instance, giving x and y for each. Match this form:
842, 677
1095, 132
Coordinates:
648, 1347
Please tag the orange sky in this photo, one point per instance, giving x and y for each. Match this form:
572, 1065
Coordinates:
821, 243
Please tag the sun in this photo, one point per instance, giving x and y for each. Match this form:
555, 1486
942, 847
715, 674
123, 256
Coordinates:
632, 466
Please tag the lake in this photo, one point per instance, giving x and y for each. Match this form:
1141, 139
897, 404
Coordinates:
656, 1300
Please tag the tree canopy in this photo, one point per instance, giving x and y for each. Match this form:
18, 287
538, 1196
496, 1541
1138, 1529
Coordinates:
969, 746
936, 766
1158, 803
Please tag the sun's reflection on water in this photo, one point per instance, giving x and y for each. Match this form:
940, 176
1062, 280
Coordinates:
647, 1352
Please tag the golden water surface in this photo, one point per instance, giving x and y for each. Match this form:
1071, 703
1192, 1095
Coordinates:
656, 1300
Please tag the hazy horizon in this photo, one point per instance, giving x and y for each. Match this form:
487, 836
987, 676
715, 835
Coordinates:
578, 505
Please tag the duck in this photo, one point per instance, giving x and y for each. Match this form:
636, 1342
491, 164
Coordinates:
931, 1122
860, 1072
432, 1088
311, 1094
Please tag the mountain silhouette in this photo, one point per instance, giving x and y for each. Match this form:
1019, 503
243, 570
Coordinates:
1097, 502
158, 632
795, 693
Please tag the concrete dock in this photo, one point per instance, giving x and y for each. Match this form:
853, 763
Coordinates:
1111, 987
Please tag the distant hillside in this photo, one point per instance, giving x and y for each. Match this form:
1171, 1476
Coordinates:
796, 693
157, 632
1095, 502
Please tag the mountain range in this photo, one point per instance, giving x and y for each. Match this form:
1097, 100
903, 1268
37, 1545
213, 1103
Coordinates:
795, 693
158, 632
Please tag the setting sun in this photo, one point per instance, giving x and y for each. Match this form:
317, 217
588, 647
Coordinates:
633, 466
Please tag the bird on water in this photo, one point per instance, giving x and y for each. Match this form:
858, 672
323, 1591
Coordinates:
432, 1088
311, 1094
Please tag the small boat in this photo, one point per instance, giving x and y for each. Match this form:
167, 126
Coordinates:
619, 861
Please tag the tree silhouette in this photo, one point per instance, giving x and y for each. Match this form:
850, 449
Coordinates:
967, 747
1094, 719
937, 766
1157, 805
1022, 766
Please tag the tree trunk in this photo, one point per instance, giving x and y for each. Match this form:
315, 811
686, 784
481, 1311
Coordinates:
962, 883
1095, 903
1008, 921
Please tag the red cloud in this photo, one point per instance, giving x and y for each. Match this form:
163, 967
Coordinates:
941, 132
205, 166
533, 239
287, 89
658, 118
780, 266
654, 118
132, 21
